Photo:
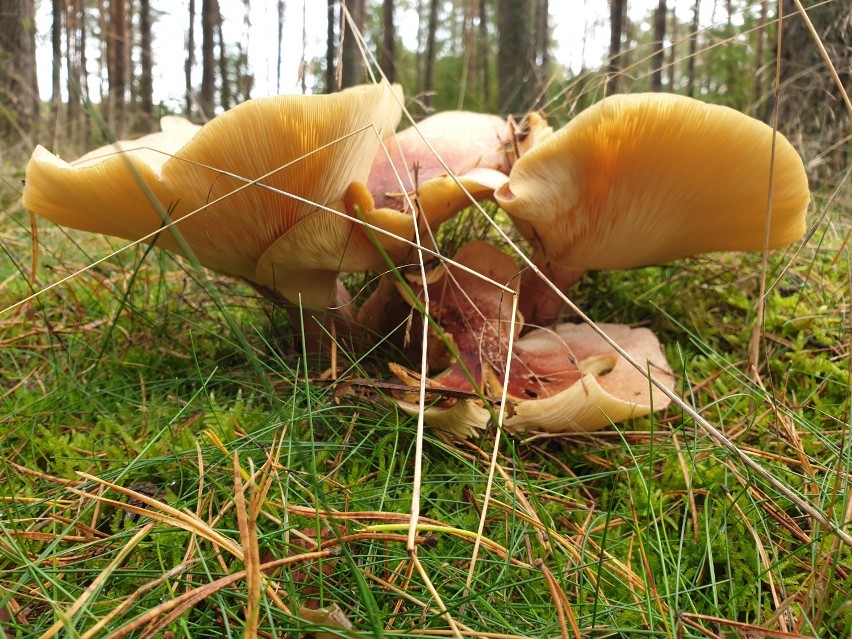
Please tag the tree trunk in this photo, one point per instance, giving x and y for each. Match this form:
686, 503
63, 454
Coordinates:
759, 61
224, 66
541, 48
693, 48
331, 83
482, 54
617, 10
18, 78
429, 73
146, 77
116, 65
657, 57
280, 45
388, 41
515, 71
209, 13
56, 42
812, 108
190, 58
673, 36
352, 66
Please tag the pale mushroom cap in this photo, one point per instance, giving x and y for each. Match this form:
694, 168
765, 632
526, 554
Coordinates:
644, 179
610, 389
462, 139
316, 146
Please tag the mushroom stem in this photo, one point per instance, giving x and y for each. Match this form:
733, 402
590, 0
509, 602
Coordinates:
538, 300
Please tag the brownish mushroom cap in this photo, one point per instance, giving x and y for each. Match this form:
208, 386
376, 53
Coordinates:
563, 379
644, 179
308, 149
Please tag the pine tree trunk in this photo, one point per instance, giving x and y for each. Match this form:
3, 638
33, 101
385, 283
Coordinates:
388, 41
542, 46
759, 61
659, 36
484, 74
190, 58
516, 84
209, 12
56, 42
693, 48
331, 83
280, 45
224, 66
116, 65
429, 72
617, 9
352, 66
18, 78
673, 36
146, 77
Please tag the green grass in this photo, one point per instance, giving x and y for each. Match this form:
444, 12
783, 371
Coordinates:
134, 371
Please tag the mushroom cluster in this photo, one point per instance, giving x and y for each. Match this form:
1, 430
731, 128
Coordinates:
290, 192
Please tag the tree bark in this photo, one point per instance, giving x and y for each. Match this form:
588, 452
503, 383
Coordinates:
693, 48
515, 71
331, 84
482, 54
190, 57
117, 65
280, 45
388, 41
56, 42
541, 48
352, 66
146, 77
209, 12
657, 57
224, 64
429, 73
617, 10
18, 78
759, 61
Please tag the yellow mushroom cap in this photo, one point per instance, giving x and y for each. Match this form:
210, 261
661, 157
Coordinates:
644, 179
316, 147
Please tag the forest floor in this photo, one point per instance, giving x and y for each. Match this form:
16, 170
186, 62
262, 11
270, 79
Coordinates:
162, 436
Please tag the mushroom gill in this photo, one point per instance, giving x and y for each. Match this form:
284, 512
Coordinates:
238, 187
643, 179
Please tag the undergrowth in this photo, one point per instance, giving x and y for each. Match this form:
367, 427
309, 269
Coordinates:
161, 434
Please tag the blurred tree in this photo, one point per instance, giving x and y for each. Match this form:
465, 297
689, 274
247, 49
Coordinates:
617, 29
515, 69
209, 18
280, 45
693, 49
331, 46
146, 77
117, 58
429, 73
352, 68
388, 57
813, 111
19, 99
659, 41
190, 58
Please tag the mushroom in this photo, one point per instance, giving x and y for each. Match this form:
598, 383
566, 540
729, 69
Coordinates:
563, 379
472, 145
477, 148
643, 179
309, 155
